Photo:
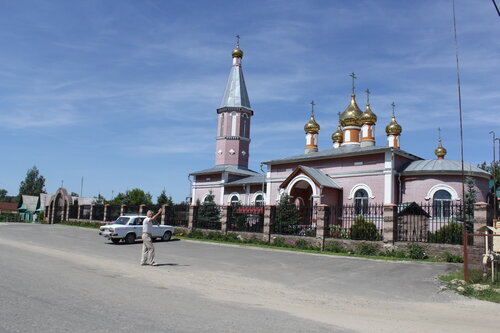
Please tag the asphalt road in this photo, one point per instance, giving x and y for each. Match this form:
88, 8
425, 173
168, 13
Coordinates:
68, 279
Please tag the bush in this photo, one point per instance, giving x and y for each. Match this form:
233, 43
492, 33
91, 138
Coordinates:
336, 231
450, 257
195, 233
452, 233
215, 235
303, 244
364, 230
86, 224
279, 241
232, 237
417, 251
335, 247
366, 249
392, 251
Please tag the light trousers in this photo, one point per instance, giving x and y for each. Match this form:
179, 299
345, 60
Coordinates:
148, 250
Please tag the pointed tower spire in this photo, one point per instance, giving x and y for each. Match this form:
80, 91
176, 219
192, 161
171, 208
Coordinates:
440, 150
312, 129
236, 94
233, 133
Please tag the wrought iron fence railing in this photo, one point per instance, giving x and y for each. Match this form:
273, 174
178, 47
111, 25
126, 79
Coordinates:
441, 222
98, 212
85, 212
292, 220
177, 215
246, 218
358, 222
112, 212
207, 216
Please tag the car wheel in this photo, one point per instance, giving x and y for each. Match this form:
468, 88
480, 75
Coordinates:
130, 238
166, 236
115, 240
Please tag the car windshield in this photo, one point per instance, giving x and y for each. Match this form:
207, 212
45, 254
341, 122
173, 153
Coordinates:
122, 220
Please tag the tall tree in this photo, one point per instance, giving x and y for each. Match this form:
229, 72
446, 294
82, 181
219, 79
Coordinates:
3, 193
163, 199
488, 167
33, 184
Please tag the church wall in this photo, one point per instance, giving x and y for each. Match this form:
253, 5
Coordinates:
238, 146
331, 196
374, 182
416, 188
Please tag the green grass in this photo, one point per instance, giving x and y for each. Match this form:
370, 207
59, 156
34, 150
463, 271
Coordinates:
475, 277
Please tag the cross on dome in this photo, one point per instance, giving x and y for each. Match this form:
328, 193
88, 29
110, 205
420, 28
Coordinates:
353, 78
368, 96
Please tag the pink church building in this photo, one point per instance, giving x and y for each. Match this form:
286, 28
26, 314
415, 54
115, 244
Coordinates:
353, 171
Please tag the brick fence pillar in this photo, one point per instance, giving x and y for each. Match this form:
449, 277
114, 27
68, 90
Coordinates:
51, 218
67, 212
480, 220
122, 209
105, 214
224, 217
191, 217
389, 220
164, 213
78, 212
321, 224
141, 209
91, 212
266, 237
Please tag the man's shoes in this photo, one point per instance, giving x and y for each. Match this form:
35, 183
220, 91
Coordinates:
144, 264
154, 264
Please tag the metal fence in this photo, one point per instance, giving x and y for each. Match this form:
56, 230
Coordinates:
292, 220
359, 222
435, 222
246, 218
207, 216
131, 209
73, 212
98, 212
85, 212
177, 215
113, 212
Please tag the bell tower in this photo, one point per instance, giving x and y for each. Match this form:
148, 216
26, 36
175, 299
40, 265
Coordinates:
234, 113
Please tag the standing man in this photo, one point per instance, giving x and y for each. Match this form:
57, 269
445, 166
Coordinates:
148, 250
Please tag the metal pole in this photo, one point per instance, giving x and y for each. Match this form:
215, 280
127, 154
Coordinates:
494, 178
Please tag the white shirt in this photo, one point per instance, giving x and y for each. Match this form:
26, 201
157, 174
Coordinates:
147, 225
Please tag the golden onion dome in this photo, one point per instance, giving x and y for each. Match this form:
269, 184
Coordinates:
237, 52
337, 136
368, 117
352, 115
393, 128
312, 126
440, 151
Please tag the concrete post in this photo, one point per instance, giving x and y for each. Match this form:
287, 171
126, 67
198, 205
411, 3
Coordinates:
67, 211
224, 217
51, 218
78, 213
91, 212
191, 217
165, 212
321, 224
480, 220
389, 223
141, 209
266, 234
122, 208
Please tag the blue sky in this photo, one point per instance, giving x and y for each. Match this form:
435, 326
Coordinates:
124, 93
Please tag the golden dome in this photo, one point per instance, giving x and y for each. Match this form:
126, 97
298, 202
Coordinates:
393, 128
312, 126
352, 115
337, 136
368, 117
237, 52
440, 151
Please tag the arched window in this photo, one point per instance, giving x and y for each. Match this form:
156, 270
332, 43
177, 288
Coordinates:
233, 124
361, 202
234, 200
442, 204
221, 124
259, 200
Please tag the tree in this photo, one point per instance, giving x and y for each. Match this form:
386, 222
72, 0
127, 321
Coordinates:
163, 199
208, 212
33, 184
99, 200
74, 194
3, 193
488, 167
287, 215
135, 196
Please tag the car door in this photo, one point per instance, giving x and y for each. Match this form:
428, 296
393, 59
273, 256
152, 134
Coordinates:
157, 230
138, 226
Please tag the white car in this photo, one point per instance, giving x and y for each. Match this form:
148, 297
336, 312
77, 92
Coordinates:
129, 228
